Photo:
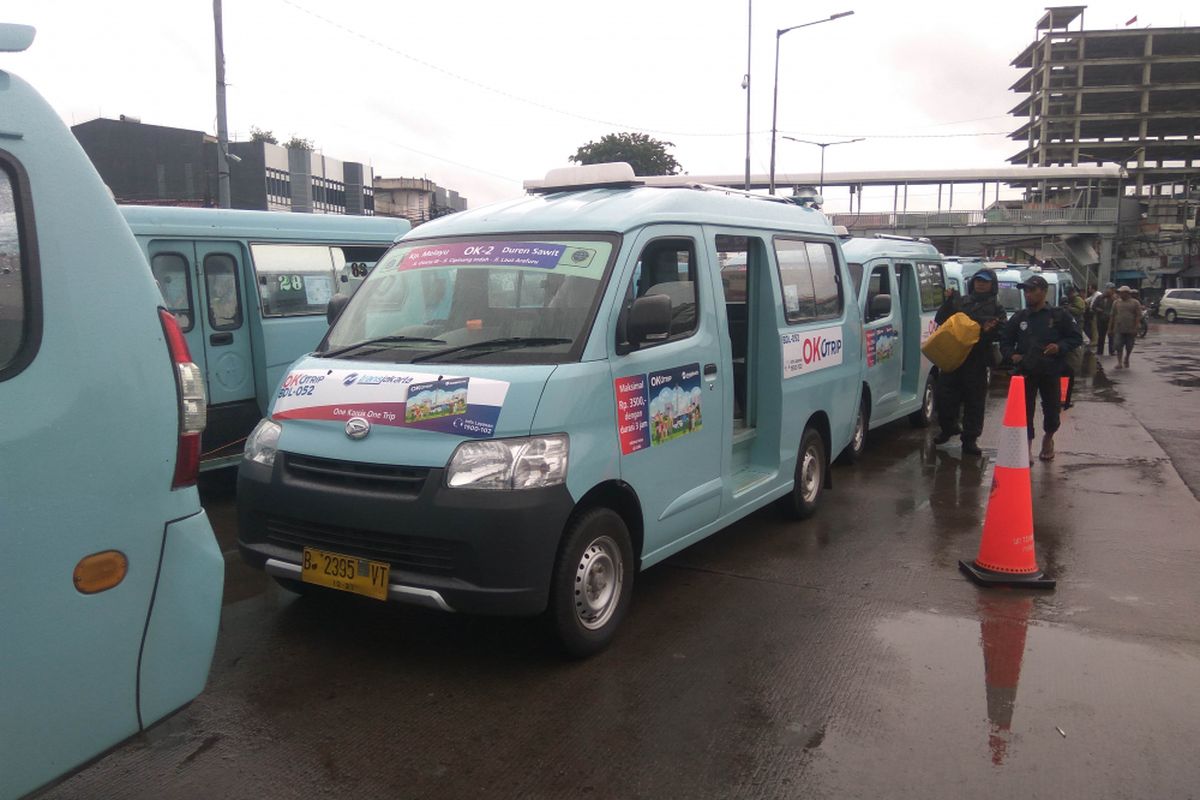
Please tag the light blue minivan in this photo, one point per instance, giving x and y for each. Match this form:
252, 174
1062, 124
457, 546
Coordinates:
901, 285
524, 404
250, 290
112, 593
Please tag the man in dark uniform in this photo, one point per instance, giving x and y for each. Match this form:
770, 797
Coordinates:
1038, 338
965, 388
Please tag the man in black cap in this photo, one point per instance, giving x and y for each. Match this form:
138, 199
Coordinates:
1038, 338
965, 388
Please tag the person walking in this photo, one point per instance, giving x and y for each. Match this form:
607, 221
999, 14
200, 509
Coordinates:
1074, 303
1089, 316
1037, 339
965, 389
1102, 306
1123, 324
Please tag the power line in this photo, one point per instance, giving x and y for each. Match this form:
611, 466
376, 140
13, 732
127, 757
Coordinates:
618, 125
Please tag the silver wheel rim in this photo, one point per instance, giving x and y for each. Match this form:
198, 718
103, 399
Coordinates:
860, 431
810, 474
927, 404
598, 580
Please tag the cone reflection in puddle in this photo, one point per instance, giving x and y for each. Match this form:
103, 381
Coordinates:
1003, 622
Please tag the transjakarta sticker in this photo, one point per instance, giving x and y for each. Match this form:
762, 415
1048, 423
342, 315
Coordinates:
456, 405
658, 407
808, 351
881, 342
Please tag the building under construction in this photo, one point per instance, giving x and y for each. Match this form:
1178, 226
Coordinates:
1130, 97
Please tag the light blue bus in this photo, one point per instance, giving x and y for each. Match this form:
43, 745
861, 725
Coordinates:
523, 405
112, 589
250, 291
901, 285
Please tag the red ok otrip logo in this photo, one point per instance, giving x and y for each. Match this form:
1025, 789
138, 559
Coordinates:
818, 348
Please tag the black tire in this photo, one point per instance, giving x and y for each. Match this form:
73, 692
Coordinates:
593, 582
1170, 315
1143, 329
858, 440
812, 465
924, 415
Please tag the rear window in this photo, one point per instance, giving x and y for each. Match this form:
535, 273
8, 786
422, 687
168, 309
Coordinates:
18, 297
172, 275
933, 285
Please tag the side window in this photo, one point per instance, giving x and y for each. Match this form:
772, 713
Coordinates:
294, 279
880, 283
809, 278
933, 286
221, 285
668, 267
827, 281
856, 275
174, 283
17, 304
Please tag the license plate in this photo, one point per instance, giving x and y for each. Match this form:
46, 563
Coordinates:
345, 573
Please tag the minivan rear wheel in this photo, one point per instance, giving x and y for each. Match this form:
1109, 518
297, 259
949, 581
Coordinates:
858, 439
812, 464
1170, 315
924, 415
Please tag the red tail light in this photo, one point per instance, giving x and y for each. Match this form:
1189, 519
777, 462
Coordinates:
193, 404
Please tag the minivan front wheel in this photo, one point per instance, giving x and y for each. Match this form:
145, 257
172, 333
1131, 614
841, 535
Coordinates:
812, 463
592, 583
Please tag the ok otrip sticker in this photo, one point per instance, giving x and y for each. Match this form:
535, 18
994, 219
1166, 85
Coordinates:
809, 351
658, 407
456, 405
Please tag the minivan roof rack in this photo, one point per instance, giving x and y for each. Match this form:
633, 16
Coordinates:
899, 238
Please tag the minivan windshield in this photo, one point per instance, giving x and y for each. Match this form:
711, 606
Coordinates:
496, 300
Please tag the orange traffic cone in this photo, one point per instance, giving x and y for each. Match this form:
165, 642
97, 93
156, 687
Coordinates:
1006, 556
1064, 383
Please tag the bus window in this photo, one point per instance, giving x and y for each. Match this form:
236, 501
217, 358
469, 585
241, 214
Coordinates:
171, 274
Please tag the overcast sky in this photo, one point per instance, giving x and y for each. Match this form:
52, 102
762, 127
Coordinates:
479, 95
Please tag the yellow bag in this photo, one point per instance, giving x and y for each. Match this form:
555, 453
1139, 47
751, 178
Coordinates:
948, 346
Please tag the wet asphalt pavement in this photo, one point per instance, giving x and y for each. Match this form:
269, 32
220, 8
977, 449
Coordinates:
841, 657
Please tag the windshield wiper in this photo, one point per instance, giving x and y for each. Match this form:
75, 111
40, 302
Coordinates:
377, 340
503, 343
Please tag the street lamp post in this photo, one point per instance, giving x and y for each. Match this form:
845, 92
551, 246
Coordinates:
821, 145
775, 102
746, 83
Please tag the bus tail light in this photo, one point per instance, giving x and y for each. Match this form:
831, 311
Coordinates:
193, 404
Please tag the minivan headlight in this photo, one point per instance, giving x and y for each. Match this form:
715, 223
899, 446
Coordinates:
526, 463
262, 441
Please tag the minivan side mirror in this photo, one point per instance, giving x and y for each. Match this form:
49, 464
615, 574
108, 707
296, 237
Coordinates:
881, 306
649, 319
334, 309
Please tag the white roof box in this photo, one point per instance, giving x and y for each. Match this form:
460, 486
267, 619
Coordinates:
15, 38
588, 176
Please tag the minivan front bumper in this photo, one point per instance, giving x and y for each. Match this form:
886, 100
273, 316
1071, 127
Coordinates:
474, 551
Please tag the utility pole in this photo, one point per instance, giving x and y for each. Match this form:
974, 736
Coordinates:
222, 128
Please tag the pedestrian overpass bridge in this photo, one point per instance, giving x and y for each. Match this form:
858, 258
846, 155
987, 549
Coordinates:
1070, 215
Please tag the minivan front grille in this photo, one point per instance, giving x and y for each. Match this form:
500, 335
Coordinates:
395, 480
410, 553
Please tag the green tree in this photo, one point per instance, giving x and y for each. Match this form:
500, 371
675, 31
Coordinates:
298, 143
259, 135
647, 156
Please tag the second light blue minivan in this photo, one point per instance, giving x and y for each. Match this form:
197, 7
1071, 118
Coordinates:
249, 290
526, 403
901, 284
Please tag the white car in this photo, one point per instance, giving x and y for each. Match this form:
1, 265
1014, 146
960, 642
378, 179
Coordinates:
1180, 304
